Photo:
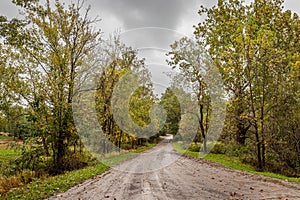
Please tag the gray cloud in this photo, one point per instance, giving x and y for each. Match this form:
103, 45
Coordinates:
8, 9
140, 13
293, 5
178, 15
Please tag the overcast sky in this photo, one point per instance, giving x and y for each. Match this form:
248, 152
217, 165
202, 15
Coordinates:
175, 18
178, 15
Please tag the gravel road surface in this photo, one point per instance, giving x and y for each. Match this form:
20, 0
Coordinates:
161, 173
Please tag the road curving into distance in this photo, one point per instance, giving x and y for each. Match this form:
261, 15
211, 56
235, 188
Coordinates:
161, 173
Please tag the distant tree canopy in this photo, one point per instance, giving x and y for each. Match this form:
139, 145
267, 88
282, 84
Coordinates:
171, 104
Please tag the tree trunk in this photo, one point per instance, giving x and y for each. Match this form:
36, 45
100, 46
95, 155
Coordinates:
59, 166
202, 128
45, 146
258, 148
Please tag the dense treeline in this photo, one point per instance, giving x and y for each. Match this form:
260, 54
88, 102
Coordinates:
43, 55
124, 61
256, 49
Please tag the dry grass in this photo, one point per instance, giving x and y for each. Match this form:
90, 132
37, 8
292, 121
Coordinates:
8, 183
7, 142
3, 146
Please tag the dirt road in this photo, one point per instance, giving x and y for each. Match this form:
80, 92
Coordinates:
147, 177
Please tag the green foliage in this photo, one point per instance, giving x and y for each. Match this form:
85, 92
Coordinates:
43, 57
195, 67
120, 60
256, 47
219, 148
171, 105
195, 148
139, 107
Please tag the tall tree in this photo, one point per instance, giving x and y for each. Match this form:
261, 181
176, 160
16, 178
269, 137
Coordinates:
52, 44
116, 61
190, 59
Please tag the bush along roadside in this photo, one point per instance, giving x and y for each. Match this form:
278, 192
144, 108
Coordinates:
232, 162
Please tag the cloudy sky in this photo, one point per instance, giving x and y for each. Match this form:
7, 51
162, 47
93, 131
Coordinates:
174, 18
179, 15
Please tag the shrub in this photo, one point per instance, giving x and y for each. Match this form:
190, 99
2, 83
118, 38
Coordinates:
72, 161
219, 148
14, 145
8, 183
195, 147
126, 146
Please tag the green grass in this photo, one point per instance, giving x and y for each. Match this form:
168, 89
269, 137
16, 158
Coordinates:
42, 188
233, 162
8, 154
3, 137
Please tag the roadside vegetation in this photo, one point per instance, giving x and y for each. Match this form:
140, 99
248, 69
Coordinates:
46, 56
27, 185
255, 48
230, 160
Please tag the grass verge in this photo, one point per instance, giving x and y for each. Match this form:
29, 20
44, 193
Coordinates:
9, 154
43, 188
234, 163
4, 137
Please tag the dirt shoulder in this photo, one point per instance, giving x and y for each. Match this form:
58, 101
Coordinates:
161, 173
